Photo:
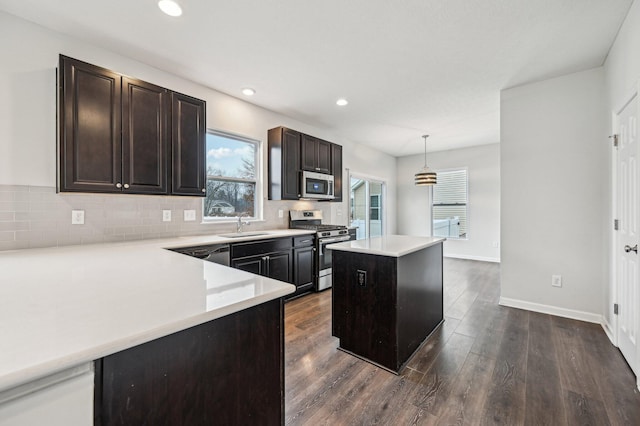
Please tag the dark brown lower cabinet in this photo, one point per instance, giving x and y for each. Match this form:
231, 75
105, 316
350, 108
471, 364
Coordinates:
385, 316
228, 371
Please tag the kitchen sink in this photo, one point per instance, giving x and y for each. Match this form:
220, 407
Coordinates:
243, 234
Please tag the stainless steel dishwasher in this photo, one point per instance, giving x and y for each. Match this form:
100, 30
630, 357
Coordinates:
216, 253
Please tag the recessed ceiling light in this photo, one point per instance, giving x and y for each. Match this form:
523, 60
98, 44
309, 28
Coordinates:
342, 102
170, 7
248, 91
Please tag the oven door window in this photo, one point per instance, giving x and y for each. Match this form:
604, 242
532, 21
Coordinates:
325, 257
316, 186
324, 260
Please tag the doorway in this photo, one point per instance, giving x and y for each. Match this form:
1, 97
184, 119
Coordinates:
366, 206
627, 295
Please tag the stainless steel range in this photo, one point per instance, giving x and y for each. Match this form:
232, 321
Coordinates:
325, 234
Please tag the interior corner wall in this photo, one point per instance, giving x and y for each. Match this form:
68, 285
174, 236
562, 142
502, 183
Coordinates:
553, 154
483, 165
622, 78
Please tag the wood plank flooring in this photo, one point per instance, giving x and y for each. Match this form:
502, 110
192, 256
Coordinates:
486, 365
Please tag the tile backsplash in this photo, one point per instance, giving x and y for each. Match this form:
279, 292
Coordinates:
37, 216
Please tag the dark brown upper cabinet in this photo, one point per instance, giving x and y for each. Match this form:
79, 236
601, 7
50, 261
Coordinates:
145, 109
117, 134
290, 152
188, 141
336, 171
315, 154
90, 153
284, 164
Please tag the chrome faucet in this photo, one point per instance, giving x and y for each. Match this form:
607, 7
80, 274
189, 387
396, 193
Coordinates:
240, 222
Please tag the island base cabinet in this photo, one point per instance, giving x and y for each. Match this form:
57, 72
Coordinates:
228, 371
386, 315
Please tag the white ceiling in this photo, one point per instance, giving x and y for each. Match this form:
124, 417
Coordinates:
407, 67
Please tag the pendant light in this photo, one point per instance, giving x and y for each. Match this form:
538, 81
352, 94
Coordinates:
425, 176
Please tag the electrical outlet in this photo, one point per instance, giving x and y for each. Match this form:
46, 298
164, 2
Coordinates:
189, 215
166, 215
77, 217
280, 213
495, 244
362, 278
556, 280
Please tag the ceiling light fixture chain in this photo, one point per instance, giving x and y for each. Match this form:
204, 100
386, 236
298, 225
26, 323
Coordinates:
425, 176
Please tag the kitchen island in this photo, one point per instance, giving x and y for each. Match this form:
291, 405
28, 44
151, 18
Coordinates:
387, 296
171, 338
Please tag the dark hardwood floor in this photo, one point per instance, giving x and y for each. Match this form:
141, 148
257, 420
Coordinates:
487, 364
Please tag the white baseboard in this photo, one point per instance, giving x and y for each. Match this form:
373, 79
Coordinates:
469, 257
552, 310
608, 330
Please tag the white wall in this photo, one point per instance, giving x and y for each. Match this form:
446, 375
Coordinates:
554, 162
28, 112
359, 161
622, 79
414, 212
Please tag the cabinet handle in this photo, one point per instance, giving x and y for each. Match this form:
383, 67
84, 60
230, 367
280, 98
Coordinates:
126, 186
118, 185
318, 168
204, 190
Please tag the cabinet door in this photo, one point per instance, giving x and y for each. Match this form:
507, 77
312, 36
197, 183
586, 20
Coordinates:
336, 171
315, 154
144, 137
278, 266
303, 266
89, 113
323, 156
290, 165
188, 135
253, 264
284, 164
308, 153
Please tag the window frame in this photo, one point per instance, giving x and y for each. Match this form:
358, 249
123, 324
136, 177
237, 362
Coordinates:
466, 204
257, 202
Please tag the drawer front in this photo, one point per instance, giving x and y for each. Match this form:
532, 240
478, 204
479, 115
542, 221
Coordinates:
303, 240
254, 248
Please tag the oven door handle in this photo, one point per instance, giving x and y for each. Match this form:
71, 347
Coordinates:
331, 240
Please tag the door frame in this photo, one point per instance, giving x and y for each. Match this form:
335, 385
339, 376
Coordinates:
611, 329
383, 210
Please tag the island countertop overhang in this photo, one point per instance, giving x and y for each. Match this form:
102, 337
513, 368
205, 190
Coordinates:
387, 245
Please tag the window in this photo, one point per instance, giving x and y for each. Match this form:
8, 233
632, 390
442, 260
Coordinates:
374, 207
232, 167
449, 209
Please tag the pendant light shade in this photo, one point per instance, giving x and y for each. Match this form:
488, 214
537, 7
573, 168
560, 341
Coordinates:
425, 176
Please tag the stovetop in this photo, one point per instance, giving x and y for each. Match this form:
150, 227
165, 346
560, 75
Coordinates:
312, 220
321, 227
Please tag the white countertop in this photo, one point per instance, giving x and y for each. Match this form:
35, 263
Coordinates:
60, 307
388, 245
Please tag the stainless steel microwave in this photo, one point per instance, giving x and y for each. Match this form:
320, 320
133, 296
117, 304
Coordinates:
317, 186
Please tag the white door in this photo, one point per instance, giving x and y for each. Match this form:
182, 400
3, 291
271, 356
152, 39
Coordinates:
627, 245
